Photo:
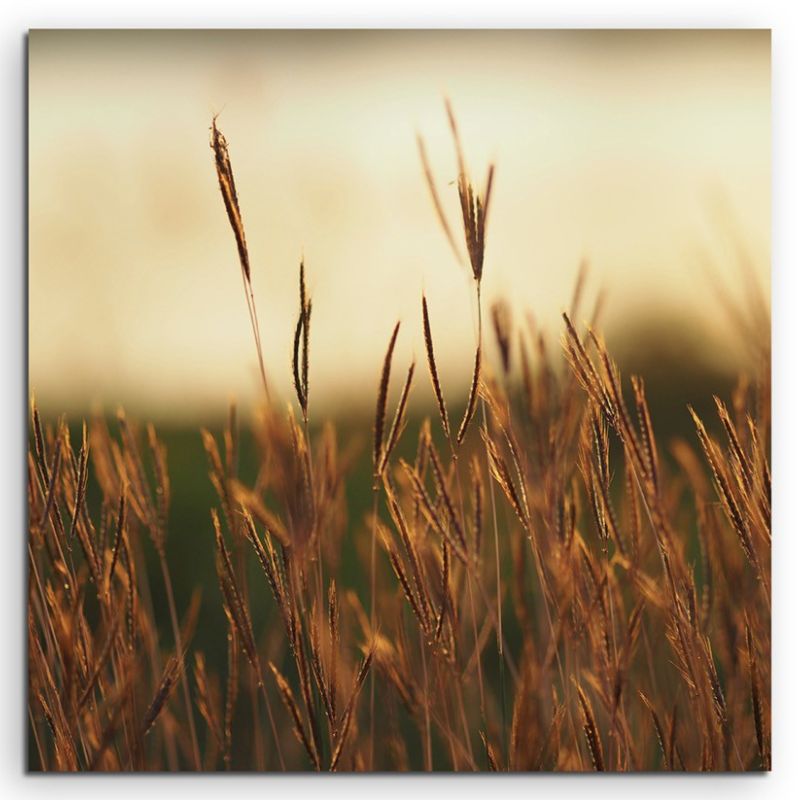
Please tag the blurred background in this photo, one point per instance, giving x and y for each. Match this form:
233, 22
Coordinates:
645, 152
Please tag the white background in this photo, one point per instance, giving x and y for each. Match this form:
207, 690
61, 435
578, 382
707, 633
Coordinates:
780, 16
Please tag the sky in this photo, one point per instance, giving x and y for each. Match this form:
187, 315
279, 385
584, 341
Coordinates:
646, 153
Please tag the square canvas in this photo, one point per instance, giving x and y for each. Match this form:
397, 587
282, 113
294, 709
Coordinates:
399, 401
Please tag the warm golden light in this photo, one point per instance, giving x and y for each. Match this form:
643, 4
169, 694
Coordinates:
611, 146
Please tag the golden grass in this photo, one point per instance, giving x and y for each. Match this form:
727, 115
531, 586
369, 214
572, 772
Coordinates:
619, 619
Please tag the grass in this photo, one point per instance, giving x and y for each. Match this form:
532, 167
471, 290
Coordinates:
552, 584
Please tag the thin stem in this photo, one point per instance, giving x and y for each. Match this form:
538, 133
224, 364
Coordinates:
251, 308
491, 487
271, 721
372, 621
501, 665
469, 583
428, 754
179, 649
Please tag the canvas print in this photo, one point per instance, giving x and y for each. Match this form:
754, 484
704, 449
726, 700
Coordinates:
399, 401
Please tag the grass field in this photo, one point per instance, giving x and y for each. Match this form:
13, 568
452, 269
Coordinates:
566, 569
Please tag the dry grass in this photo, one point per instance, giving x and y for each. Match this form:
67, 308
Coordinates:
567, 592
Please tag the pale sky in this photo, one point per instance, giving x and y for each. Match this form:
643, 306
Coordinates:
613, 146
